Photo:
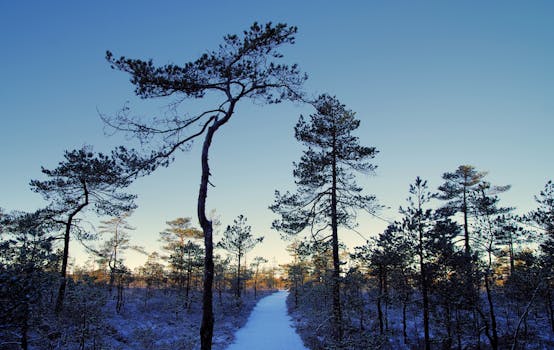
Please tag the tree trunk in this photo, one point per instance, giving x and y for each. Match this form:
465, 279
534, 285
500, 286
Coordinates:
237, 293
187, 287
112, 269
424, 289
189, 278
386, 298
512, 262
63, 272
466, 230
523, 317
120, 288
296, 293
404, 321
379, 296
207, 324
494, 337
549, 308
337, 312
112, 278
256, 284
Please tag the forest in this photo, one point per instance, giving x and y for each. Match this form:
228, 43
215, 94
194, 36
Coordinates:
457, 270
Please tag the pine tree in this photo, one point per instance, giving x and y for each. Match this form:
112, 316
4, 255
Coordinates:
244, 67
115, 246
184, 255
84, 179
26, 256
488, 216
259, 260
327, 195
238, 240
418, 221
542, 220
456, 190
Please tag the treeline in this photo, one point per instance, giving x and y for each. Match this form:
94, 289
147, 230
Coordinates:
179, 266
31, 260
458, 270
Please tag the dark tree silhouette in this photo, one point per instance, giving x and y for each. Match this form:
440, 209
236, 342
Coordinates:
418, 222
84, 178
259, 260
183, 253
542, 220
456, 190
488, 225
387, 254
119, 240
237, 240
26, 253
243, 67
327, 195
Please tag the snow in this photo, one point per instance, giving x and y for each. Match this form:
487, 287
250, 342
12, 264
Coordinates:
268, 327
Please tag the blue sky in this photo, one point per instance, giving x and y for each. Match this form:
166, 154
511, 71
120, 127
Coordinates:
436, 84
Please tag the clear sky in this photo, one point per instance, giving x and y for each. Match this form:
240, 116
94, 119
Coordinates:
436, 84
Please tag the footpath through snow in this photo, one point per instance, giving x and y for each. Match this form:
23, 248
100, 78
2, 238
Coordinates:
269, 327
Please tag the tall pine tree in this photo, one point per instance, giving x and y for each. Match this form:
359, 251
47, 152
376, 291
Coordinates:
456, 190
327, 195
247, 66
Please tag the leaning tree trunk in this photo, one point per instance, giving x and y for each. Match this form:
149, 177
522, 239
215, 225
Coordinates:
65, 257
63, 272
207, 323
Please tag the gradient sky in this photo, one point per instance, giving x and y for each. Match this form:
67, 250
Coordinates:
436, 84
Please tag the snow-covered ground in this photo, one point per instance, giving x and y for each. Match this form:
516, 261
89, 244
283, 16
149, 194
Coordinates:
269, 327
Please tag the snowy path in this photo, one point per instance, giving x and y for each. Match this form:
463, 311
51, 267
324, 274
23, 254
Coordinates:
268, 327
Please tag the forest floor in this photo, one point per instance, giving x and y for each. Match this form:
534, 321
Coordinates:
269, 327
160, 321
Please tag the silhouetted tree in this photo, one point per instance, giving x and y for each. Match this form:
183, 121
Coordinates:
542, 220
418, 220
183, 254
26, 256
327, 195
152, 272
237, 240
488, 224
221, 269
111, 252
259, 260
452, 275
83, 179
243, 67
297, 270
389, 252
456, 190
178, 232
